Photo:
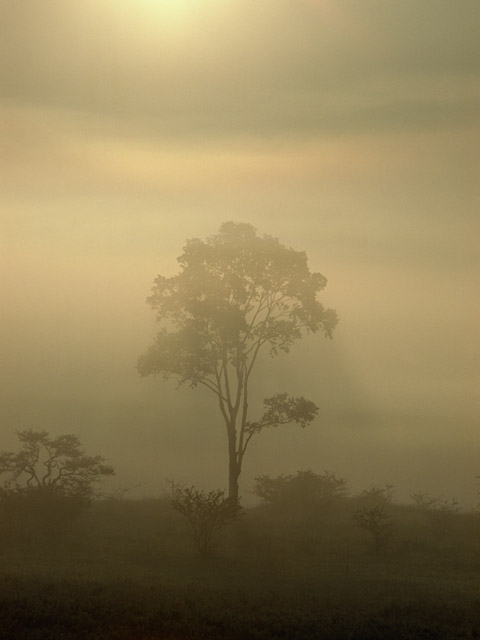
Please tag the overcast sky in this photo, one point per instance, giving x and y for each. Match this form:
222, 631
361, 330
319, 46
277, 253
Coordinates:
347, 129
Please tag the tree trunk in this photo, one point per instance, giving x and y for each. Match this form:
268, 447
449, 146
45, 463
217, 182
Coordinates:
233, 486
233, 466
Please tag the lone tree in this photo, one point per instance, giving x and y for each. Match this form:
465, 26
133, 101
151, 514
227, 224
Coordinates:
236, 294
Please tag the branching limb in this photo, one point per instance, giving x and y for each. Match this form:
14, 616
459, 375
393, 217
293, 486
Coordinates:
280, 409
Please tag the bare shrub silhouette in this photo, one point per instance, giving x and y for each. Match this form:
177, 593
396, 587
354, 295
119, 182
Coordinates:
207, 512
378, 523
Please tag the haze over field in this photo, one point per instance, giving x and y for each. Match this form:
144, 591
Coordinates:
349, 130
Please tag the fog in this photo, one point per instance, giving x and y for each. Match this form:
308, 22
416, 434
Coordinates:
347, 130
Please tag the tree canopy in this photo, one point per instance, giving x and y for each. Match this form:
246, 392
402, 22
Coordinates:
236, 294
54, 464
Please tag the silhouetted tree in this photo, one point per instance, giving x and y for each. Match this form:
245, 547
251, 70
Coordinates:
237, 293
377, 496
374, 517
441, 512
378, 523
305, 492
54, 464
48, 479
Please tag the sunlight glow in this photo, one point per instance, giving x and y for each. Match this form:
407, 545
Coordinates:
175, 12
170, 6
177, 22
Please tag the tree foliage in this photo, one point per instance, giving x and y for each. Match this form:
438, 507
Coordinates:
378, 523
236, 294
46, 483
377, 496
56, 465
305, 492
440, 512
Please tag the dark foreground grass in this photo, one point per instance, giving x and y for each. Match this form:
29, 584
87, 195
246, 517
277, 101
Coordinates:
127, 571
41, 608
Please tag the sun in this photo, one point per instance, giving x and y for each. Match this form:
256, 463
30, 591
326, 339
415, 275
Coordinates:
173, 26
175, 18
174, 9
168, 6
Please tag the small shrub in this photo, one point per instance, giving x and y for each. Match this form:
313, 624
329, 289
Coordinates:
377, 496
378, 523
307, 492
207, 512
441, 512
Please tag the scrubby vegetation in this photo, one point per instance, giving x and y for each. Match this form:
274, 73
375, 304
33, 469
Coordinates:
127, 569
46, 484
207, 512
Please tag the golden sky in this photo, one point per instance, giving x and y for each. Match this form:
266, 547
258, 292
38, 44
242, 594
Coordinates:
348, 129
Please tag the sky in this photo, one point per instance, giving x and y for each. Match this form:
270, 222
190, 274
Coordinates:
349, 130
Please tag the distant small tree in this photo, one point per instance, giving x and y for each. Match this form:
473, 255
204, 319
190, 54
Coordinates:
48, 479
373, 516
206, 512
237, 294
423, 501
305, 491
56, 465
441, 512
378, 523
377, 496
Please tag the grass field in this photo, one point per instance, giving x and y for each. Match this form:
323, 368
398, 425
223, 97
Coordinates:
127, 570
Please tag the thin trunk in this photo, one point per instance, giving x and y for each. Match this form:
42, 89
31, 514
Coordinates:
233, 466
233, 484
